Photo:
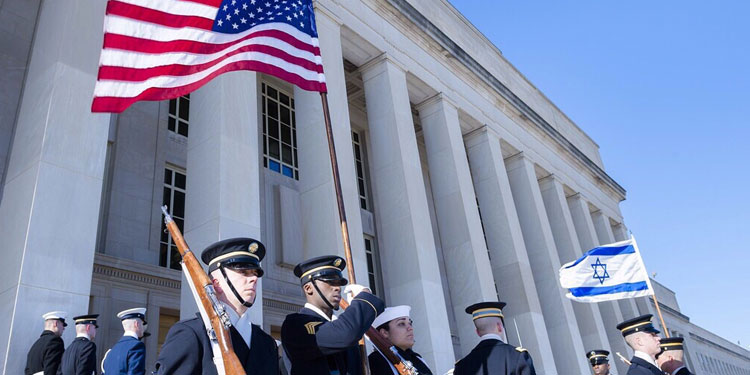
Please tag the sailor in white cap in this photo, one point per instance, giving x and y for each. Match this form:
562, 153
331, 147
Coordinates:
46, 354
128, 356
396, 326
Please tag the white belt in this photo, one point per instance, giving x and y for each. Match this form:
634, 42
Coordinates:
39, 373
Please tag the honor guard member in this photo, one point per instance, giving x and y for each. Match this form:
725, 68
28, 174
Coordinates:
396, 326
80, 357
671, 357
234, 269
492, 355
128, 356
599, 360
643, 338
45, 355
317, 342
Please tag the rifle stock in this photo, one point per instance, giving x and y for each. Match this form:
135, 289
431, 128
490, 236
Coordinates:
210, 305
403, 368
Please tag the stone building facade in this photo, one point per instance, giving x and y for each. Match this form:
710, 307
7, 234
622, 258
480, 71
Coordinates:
462, 183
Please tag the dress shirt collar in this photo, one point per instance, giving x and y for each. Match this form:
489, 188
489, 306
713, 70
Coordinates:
242, 324
491, 336
645, 357
320, 312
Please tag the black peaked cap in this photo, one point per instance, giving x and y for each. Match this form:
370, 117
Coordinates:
327, 268
597, 357
86, 319
639, 324
239, 252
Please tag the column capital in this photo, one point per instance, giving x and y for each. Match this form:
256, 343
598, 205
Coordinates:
370, 68
549, 179
483, 131
516, 158
440, 97
576, 196
322, 9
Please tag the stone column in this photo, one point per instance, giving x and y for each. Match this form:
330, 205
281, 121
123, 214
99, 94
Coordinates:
223, 170
610, 311
588, 316
508, 258
559, 318
410, 266
620, 231
50, 204
470, 280
321, 233
606, 236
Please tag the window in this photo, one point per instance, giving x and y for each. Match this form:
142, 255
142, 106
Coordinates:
357, 143
174, 198
179, 114
167, 318
101, 231
279, 132
374, 275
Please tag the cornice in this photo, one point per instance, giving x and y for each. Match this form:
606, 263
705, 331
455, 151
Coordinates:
475, 67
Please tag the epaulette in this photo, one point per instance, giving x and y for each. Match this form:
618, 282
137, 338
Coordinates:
520, 349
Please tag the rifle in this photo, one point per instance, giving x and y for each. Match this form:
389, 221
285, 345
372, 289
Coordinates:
403, 367
214, 316
623, 358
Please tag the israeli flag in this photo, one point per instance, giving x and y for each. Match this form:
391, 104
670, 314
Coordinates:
606, 273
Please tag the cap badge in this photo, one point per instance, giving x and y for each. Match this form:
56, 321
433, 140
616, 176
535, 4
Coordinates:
337, 262
253, 247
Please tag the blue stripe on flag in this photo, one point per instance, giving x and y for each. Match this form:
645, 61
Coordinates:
605, 251
599, 290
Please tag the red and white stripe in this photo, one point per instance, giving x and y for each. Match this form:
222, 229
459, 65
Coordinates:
162, 49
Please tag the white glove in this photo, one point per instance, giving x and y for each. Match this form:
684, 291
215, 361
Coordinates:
351, 291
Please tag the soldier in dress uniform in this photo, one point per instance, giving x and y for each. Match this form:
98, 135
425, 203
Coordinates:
641, 335
599, 360
492, 355
316, 341
128, 356
80, 357
671, 357
234, 268
396, 326
45, 355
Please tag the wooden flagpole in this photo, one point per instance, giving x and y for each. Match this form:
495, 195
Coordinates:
342, 214
658, 310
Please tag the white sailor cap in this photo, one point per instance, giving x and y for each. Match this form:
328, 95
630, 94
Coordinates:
391, 313
58, 315
138, 312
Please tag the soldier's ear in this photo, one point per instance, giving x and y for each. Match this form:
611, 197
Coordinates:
215, 283
384, 332
308, 289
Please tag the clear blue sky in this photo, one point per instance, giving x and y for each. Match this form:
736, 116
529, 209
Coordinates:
664, 88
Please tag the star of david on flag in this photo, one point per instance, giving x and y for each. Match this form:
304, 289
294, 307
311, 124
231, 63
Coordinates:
163, 49
606, 273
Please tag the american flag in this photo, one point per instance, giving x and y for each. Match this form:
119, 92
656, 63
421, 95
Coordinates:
163, 49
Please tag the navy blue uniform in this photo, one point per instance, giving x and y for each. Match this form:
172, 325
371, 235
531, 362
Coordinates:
127, 357
316, 346
493, 356
684, 371
187, 351
45, 355
640, 367
79, 358
379, 365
